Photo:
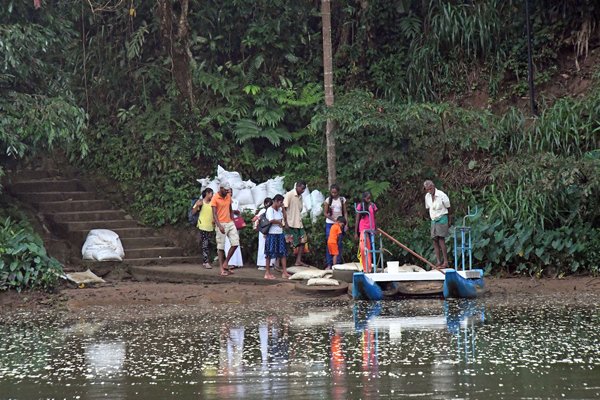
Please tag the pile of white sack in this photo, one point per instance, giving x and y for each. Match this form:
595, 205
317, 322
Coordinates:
251, 196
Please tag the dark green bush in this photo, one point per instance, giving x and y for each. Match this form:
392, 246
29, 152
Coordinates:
24, 263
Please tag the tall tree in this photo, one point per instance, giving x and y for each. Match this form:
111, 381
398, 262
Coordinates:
175, 37
328, 86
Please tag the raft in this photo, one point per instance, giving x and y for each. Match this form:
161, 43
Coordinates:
449, 284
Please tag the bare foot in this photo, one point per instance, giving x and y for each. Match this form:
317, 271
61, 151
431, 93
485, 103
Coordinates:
269, 276
444, 265
224, 273
285, 275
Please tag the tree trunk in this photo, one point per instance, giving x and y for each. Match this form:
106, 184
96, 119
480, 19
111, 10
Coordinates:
175, 37
328, 86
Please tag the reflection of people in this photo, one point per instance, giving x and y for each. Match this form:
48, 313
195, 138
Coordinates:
334, 239
338, 368
365, 222
292, 216
223, 216
205, 224
333, 207
438, 204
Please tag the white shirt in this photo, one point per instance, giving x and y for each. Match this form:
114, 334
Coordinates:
439, 206
275, 214
336, 209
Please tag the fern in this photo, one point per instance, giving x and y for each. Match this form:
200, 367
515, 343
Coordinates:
135, 44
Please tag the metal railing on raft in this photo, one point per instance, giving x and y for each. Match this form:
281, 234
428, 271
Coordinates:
466, 243
371, 252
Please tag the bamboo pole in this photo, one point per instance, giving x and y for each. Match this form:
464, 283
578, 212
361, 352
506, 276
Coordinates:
420, 257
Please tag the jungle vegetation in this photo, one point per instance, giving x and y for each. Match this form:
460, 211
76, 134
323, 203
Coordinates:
154, 94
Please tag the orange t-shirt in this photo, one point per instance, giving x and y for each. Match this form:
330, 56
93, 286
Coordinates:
334, 233
223, 205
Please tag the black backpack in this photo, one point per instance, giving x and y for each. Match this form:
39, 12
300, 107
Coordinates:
193, 218
263, 224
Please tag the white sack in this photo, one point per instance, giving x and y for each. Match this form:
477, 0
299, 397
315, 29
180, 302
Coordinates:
259, 194
102, 245
232, 177
249, 184
297, 268
308, 274
353, 266
317, 199
214, 185
322, 282
275, 186
244, 196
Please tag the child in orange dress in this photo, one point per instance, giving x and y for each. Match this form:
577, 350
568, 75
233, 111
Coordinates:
334, 236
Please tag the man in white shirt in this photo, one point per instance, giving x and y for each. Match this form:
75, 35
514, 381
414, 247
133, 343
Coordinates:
438, 204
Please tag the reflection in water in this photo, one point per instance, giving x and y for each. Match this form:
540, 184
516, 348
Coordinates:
421, 349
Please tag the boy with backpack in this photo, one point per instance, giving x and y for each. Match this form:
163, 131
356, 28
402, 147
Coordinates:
275, 242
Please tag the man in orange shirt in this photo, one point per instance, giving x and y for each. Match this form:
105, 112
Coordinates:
334, 236
223, 216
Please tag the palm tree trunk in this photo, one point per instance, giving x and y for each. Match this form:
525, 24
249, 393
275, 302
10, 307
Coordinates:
328, 86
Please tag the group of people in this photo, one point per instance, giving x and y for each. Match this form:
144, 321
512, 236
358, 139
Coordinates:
284, 216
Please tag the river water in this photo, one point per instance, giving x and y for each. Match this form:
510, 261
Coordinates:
517, 348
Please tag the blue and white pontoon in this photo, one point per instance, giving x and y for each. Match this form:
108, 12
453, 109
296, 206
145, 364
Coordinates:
457, 282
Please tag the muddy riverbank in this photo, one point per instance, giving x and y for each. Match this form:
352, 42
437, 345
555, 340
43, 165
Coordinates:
132, 293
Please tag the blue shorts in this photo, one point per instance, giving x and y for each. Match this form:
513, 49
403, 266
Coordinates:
275, 246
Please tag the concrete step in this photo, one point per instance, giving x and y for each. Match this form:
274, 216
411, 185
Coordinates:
78, 237
153, 252
163, 261
142, 242
101, 215
75, 205
43, 197
46, 185
89, 225
32, 174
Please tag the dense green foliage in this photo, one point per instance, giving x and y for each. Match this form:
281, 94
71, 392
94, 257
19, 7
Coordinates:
403, 70
24, 263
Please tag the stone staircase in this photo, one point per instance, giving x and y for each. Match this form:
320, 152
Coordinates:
70, 211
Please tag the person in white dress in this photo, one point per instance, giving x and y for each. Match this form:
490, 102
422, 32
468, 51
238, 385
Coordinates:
236, 260
260, 256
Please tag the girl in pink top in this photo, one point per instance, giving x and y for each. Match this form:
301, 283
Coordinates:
365, 222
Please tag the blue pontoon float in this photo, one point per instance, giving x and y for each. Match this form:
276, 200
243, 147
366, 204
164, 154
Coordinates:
462, 281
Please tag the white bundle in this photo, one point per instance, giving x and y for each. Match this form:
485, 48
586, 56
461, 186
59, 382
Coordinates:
306, 201
214, 185
322, 282
275, 186
102, 245
249, 184
232, 177
203, 183
308, 274
259, 194
244, 196
317, 199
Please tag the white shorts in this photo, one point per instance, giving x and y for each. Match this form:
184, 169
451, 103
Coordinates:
231, 232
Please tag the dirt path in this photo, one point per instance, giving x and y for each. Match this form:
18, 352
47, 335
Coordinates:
123, 294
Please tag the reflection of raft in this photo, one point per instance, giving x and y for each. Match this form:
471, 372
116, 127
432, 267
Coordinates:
456, 284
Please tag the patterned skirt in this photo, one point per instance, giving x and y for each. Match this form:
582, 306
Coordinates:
275, 246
